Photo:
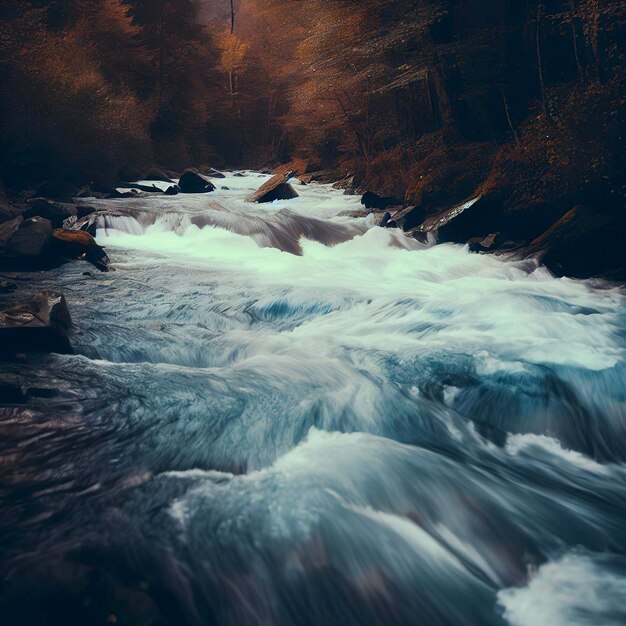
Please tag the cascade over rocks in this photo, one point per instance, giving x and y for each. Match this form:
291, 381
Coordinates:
192, 181
39, 323
276, 188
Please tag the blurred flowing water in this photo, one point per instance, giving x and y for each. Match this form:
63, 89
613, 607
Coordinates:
279, 414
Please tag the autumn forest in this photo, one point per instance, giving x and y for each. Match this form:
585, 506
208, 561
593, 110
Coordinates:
312, 312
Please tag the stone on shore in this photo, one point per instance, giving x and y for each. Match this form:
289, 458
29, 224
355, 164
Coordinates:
39, 323
57, 190
583, 242
30, 240
56, 212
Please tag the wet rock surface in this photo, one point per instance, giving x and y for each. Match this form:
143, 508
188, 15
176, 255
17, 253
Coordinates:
276, 188
35, 323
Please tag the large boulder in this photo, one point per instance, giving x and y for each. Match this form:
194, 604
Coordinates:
408, 218
78, 244
8, 229
457, 224
372, 200
8, 211
57, 190
56, 212
276, 188
584, 242
39, 323
192, 181
30, 240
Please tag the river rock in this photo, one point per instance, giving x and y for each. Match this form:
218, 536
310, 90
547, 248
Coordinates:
141, 187
409, 218
172, 190
8, 211
30, 240
584, 242
213, 173
490, 243
192, 181
77, 244
276, 188
7, 229
159, 175
347, 184
39, 323
57, 190
372, 200
56, 212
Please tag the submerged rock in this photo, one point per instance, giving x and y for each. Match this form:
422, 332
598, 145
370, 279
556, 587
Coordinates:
192, 181
37, 324
276, 188
77, 244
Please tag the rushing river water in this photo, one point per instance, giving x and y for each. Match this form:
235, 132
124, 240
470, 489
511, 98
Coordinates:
279, 414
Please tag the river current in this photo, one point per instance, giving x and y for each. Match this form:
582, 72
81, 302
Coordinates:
283, 414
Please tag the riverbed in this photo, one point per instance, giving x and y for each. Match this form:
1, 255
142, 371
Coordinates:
283, 414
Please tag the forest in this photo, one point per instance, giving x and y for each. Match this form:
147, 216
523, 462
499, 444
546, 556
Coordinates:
428, 101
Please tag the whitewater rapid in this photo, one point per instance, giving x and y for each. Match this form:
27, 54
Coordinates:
285, 414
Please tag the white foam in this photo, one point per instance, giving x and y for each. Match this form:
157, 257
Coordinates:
524, 443
573, 591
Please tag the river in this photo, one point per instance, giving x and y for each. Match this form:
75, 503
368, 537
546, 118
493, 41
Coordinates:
281, 414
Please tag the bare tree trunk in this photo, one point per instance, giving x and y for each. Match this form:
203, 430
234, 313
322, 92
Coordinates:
356, 132
572, 22
161, 78
539, 60
232, 16
508, 116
